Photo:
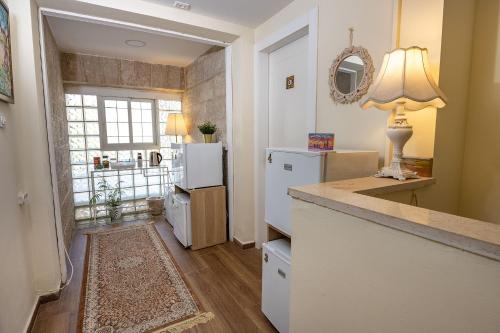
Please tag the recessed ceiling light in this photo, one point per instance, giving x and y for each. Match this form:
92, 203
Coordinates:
182, 5
135, 43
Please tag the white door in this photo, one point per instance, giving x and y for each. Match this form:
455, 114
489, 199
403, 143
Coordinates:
288, 114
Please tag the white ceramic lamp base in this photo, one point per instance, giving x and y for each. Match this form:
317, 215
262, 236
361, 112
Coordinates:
399, 133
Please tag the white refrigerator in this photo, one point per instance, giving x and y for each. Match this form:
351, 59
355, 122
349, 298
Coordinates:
286, 167
197, 165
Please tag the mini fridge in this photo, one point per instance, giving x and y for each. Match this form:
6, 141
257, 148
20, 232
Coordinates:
286, 167
197, 165
276, 259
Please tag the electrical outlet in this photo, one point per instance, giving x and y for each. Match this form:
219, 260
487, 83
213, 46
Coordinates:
3, 120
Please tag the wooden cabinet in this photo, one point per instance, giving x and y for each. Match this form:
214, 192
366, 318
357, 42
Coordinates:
208, 215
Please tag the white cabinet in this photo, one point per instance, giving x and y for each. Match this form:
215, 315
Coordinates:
286, 167
181, 218
276, 283
169, 205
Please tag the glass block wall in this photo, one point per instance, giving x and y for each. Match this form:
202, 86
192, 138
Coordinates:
84, 141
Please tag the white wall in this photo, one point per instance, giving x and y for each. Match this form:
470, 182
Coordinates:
352, 275
243, 137
29, 256
354, 128
372, 21
17, 294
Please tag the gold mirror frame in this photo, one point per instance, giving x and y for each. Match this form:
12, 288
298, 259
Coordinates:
366, 81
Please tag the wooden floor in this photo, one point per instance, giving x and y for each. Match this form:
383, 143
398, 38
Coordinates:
225, 278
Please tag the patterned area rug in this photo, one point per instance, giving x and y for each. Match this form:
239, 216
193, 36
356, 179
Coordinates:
132, 285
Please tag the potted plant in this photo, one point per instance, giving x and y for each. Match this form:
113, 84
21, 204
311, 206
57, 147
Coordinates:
112, 199
208, 129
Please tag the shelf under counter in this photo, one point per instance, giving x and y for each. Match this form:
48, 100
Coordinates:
371, 186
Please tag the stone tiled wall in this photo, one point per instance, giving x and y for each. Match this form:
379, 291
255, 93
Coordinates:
60, 134
102, 71
205, 94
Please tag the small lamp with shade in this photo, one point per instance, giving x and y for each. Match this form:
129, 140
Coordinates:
404, 83
176, 125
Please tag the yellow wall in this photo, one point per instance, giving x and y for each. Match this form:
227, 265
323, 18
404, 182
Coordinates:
421, 25
458, 24
480, 191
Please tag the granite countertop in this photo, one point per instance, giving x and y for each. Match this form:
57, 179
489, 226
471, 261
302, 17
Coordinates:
355, 197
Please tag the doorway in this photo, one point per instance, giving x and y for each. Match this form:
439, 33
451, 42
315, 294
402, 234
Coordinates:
283, 117
79, 116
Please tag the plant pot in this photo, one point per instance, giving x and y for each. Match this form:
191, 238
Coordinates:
209, 138
156, 205
115, 212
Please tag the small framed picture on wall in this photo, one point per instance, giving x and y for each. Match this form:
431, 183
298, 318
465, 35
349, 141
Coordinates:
6, 80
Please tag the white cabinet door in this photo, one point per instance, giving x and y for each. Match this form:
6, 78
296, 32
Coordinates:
276, 290
182, 219
285, 169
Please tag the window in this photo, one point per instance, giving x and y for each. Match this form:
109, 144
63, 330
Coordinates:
142, 121
128, 123
84, 131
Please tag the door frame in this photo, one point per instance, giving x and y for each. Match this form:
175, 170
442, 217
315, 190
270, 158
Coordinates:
306, 25
46, 11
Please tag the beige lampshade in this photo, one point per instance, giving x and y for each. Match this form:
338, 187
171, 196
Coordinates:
405, 79
175, 125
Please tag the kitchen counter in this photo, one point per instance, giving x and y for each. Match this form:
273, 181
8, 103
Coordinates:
355, 197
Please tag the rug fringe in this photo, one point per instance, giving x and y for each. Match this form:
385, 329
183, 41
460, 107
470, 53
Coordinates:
201, 318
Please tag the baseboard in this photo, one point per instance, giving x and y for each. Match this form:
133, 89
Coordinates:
41, 299
244, 246
32, 318
53, 296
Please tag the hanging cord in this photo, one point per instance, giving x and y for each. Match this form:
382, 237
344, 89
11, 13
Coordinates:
398, 24
414, 198
351, 36
72, 269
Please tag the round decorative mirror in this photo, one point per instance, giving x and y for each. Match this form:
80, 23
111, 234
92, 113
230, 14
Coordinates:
351, 75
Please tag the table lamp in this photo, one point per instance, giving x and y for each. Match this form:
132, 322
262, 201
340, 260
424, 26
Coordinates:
175, 125
404, 83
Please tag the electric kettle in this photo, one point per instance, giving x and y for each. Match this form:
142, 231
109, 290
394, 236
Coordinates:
155, 158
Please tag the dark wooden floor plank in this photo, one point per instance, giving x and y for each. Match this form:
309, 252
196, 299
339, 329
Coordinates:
225, 278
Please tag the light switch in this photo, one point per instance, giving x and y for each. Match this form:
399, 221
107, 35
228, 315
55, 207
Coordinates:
3, 120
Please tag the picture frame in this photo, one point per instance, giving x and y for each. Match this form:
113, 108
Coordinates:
321, 142
6, 75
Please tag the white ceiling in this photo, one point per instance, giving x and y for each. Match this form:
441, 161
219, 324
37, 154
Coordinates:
250, 13
96, 39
